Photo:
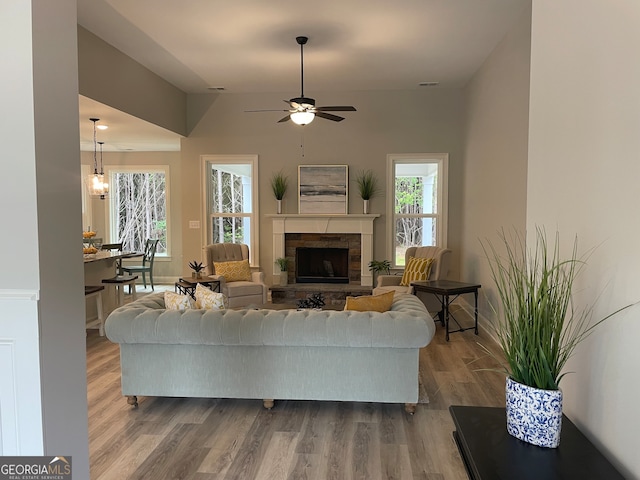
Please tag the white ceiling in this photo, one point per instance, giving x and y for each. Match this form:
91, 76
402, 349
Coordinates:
126, 133
249, 46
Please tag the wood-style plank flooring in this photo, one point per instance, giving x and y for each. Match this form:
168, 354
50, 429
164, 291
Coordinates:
216, 439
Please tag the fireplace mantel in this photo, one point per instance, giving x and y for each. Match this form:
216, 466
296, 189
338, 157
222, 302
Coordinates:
357, 223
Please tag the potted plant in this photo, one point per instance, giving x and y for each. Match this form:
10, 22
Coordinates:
283, 263
197, 268
538, 330
367, 187
380, 266
279, 183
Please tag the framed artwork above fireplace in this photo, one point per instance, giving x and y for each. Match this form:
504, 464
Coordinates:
323, 189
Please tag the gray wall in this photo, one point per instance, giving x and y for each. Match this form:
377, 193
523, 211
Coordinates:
386, 122
40, 214
110, 77
495, 154
583, 180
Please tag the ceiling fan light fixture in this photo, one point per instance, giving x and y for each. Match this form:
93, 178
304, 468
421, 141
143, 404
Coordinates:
302, 118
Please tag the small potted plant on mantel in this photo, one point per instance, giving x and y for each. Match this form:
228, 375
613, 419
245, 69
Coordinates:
538, 330
279, 183
367, 187
197, 268
283, 263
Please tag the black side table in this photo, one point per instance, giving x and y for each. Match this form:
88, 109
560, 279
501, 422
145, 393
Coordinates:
187, 286
490, 453
444, 289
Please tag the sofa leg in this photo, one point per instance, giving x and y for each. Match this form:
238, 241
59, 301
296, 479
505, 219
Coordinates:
410, 408
268, 403
132, 400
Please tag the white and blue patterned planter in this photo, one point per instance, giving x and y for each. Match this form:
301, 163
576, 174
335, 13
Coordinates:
534, 415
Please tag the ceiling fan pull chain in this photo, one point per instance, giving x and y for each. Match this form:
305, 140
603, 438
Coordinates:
302, 142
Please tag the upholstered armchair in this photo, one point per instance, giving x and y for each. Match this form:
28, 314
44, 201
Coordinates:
241, 286
439, 271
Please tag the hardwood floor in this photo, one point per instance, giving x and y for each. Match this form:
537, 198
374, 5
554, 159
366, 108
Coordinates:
215, 439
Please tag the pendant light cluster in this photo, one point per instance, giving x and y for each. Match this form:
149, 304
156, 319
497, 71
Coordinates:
95, 182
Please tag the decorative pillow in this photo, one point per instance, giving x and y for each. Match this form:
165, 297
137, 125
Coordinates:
175, 301
417, 270
233, 271
208, 299
373, 303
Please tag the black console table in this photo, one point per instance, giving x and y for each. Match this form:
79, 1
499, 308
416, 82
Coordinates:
489, 452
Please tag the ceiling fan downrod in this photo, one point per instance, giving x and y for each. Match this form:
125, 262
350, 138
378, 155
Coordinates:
302, 41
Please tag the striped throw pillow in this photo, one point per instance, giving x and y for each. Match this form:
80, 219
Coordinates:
417, 270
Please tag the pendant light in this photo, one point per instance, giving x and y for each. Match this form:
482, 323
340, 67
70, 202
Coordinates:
105, 185
95, 181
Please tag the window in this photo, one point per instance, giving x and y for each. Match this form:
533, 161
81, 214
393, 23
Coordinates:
231, 196
419, 204
138, 197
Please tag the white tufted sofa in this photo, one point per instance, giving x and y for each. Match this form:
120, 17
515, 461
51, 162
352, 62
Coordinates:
271, 354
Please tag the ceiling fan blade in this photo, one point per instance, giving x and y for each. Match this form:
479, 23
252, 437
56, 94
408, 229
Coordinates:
336, 108
279, 110
284, 119
328, 116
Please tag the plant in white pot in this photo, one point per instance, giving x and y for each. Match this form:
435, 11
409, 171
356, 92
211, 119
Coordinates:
538, 330
368, 187
197, 268
279, 184
283, 263
380, 267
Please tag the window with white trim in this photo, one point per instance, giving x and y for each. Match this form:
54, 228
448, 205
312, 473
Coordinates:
418, 206
231, 200
138, 200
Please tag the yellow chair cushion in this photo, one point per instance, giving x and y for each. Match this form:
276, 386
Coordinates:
175, 301
417, 270
370, 303
235, 271
208, 299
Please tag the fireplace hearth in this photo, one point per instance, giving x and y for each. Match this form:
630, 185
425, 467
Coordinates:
322, 265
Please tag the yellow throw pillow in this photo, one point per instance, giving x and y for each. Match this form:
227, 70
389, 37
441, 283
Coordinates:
370, 303
208, 299
233, 271
417, 270
175, 301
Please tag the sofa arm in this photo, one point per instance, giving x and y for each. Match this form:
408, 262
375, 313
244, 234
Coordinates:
257, 277
389, 280
221, 279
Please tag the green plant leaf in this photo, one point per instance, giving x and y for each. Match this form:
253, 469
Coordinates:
538, 327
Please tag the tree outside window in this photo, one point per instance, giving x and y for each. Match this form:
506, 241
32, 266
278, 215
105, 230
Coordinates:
139, 208
231, 193
419, 202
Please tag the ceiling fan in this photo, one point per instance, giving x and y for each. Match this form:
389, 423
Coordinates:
303, 109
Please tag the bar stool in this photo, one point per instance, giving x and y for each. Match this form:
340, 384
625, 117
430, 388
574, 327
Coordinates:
95, 291
119, 281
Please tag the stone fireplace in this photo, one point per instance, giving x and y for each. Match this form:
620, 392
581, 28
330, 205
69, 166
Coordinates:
351, 232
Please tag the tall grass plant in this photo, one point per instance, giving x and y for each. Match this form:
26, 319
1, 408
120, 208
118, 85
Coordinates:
539, 326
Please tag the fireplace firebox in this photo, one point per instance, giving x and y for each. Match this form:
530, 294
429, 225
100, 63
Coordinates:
322, 265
